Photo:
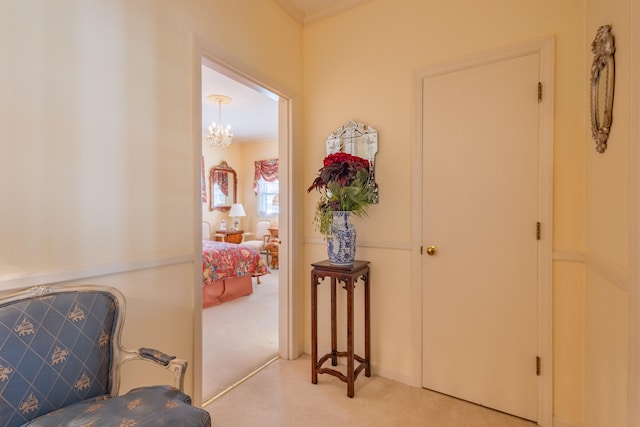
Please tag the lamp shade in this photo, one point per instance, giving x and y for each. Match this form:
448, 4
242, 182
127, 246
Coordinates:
237, 210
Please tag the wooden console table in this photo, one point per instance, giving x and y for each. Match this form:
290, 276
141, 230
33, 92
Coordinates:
348, 275
230, 236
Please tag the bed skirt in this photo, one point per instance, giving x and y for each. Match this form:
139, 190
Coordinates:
224, 290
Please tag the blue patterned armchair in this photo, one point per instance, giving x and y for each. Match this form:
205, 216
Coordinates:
60, 357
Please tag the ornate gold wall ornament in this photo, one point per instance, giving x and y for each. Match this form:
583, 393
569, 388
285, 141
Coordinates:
602, 85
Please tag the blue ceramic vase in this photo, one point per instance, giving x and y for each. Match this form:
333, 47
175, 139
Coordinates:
341, 244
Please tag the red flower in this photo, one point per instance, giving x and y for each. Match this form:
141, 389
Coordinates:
341, 157
340, 168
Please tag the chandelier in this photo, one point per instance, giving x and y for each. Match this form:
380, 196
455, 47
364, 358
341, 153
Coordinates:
219, 135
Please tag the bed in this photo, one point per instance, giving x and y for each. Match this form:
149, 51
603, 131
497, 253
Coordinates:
227, 269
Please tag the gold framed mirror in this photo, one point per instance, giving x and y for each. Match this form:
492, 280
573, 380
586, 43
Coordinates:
223, 185
602, 85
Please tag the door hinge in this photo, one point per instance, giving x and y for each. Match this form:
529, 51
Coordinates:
539, 91
538, 230
538, 363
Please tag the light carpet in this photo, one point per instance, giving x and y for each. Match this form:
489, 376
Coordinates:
282, 395
239, 336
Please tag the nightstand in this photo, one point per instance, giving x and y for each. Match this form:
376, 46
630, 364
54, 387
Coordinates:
230, 236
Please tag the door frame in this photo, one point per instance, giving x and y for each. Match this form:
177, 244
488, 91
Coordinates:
288, 317
546, 49
634, 223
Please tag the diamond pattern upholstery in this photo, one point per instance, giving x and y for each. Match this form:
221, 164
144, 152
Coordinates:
146, 406
57, 352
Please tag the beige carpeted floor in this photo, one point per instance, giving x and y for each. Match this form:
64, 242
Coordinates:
239, 336
281, 395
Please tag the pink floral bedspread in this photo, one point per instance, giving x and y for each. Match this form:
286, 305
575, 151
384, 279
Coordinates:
221, 260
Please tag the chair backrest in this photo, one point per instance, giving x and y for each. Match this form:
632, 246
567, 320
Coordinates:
56, 348
262, 228
206, 230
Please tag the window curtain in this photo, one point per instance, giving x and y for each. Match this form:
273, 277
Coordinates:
265, 169
222, 179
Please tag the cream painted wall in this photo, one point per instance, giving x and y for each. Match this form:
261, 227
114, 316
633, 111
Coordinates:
608, 235
360, 66
97, 161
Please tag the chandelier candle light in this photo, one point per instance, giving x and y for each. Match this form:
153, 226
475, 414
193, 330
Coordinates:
219, 135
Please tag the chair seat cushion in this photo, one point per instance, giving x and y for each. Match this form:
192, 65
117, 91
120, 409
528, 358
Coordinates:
145, 406
258, 245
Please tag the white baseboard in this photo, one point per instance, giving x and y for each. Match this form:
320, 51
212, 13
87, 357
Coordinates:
394, 376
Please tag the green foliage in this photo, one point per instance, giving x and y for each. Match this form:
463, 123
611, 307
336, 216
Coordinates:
354, 197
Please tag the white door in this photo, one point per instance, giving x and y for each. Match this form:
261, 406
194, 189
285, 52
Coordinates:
480, 209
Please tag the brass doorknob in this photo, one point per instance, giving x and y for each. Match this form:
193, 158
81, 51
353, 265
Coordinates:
431, 250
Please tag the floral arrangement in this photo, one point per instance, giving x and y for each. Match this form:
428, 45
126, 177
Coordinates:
343, 183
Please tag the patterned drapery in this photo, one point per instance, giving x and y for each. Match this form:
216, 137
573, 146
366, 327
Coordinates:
267, 169
222, 179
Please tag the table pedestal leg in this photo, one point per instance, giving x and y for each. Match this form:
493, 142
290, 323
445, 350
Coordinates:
348, 275
314, 328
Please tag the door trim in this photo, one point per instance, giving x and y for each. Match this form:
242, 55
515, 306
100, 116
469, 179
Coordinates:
289, 317
634, 222
546, 49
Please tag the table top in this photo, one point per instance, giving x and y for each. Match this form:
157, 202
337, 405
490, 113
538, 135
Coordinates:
326, 265
230, 231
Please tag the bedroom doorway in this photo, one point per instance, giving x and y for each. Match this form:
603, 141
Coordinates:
240, 336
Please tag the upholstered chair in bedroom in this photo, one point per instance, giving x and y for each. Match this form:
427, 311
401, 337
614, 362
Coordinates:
206, 230
261, 238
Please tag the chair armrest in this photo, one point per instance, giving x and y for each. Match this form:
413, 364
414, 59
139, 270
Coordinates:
172, 363
155, 355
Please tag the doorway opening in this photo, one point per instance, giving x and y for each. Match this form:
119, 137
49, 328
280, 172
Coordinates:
237, 338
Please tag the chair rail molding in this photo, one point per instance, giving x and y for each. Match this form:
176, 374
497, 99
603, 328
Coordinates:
18, 280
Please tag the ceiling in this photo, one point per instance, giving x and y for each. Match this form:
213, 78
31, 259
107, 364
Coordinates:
253, 114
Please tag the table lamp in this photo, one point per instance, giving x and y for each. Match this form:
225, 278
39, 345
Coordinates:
237, 210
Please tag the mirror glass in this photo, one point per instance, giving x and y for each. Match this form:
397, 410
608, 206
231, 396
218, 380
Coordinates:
222, 187
601, 95
359, 140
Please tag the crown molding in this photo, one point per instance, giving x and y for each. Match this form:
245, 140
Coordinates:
314, 14
292, 10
